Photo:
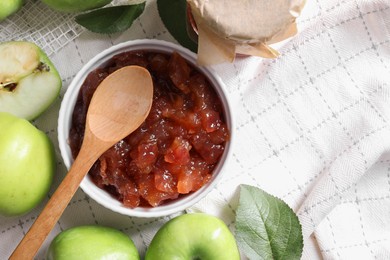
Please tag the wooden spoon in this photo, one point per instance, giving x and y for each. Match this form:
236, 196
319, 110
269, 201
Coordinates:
118, 107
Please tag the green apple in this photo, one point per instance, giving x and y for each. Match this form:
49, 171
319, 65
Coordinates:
69, 6
8, 7
92, 242
27, 165
193, 236
29, 82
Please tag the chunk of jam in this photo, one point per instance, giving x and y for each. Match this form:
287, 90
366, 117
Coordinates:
175, 150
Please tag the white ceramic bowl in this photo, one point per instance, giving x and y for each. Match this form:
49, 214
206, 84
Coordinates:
64, 124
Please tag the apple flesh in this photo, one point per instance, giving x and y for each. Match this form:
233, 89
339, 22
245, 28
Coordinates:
29, 82
92, 242
193, 236
27, 165
69, 6
9, 7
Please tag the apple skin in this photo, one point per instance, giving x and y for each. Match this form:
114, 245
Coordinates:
71, 6
27, 165
9, 7
92, 242
38, 82
193, 236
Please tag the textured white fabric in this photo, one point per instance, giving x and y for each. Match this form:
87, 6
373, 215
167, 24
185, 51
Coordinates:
312, 127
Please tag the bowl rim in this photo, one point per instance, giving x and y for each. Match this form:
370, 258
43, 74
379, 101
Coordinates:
66, 110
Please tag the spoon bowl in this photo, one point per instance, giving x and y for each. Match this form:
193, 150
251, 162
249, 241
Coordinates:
119, 105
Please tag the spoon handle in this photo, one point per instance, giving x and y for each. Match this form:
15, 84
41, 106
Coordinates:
45, 222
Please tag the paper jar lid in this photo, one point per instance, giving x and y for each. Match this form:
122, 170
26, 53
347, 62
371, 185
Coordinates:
228, 27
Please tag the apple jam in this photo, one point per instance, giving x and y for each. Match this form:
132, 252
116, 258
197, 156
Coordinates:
175, 150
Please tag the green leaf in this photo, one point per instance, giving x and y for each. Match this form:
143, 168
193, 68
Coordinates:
266, 227
173, 13
110, 19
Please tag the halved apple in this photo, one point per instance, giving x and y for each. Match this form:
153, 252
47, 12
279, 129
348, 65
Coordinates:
29, 82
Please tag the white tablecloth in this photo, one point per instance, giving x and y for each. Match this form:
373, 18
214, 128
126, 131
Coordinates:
312, 126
